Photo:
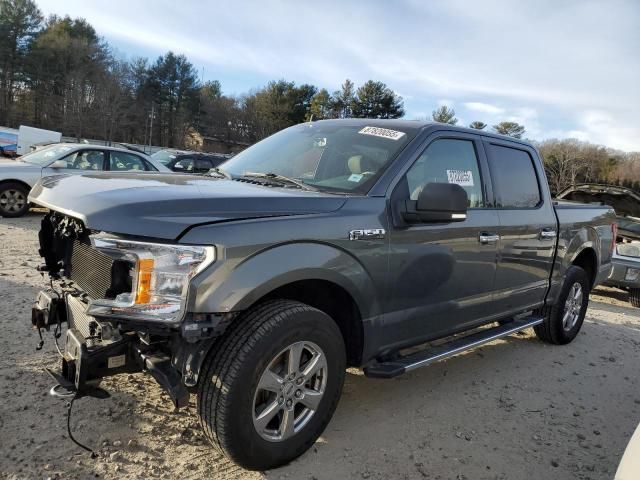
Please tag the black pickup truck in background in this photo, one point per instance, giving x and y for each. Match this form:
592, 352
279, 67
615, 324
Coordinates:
329, 244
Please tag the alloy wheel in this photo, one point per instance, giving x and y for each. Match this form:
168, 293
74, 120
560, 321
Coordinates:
289, 391
572, 307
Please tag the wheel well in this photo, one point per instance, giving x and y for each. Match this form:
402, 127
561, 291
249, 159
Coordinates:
588, 261
19, 182
336, 302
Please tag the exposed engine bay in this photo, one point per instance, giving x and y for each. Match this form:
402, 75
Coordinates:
96, 347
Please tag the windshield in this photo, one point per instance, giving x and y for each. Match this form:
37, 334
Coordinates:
46, 155
164, 156
328, 156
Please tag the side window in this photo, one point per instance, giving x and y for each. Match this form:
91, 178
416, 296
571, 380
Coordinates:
184, 165
448, 160
85, 160
514, 177
203, 165
121, 161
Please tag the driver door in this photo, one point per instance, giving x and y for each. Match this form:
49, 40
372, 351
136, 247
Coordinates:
441, 276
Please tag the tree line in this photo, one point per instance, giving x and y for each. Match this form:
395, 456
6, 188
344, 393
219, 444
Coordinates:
58, 73
444, 114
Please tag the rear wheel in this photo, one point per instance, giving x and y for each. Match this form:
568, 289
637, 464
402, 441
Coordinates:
13, 199
563, 320
270, 386
634, 297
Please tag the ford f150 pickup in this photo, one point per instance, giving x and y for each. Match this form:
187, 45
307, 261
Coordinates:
329, 244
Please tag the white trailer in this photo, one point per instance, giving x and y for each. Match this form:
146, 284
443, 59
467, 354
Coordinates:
29, 137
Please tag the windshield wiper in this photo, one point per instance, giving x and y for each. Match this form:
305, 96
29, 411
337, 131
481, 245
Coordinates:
213, 172
279, 179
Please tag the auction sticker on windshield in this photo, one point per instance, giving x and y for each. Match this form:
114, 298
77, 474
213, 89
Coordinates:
382, 132
464, 178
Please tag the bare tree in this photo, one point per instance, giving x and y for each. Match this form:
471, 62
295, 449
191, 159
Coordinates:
565, 163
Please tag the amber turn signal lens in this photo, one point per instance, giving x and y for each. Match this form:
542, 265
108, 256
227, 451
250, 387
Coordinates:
143, 290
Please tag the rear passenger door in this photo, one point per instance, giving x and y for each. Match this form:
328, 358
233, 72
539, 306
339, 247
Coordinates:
527, 226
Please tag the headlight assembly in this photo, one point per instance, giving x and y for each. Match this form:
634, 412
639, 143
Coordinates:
160, 277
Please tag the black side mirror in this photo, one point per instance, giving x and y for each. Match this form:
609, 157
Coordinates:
437, 203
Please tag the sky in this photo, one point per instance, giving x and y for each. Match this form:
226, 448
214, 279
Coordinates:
562, 68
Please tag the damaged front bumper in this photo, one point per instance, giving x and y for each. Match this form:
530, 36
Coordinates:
94, 350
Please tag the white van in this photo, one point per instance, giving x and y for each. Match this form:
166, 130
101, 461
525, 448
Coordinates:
30, 136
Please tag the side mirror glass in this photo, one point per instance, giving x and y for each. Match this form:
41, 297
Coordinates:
59, 164
178, 167
437, 203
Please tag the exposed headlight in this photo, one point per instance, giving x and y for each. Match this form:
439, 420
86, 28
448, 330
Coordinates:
632, 274
160, 278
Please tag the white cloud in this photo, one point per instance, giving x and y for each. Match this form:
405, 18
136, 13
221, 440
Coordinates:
564, 60
484, 108
446, 102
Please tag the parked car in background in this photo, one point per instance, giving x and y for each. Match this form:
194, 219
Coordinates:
625, 273
18, 176
190, 162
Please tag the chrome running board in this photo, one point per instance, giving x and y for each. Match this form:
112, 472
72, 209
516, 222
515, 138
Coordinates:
400, 365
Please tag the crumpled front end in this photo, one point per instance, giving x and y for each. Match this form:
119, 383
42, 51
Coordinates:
102, 295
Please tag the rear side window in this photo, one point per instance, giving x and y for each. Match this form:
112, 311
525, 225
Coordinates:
120, 161
203, 165
514, 177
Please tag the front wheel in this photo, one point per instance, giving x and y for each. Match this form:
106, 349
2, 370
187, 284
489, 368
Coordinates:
270, 386
563, 319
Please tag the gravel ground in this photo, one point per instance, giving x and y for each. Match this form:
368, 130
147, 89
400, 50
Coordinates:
515, 409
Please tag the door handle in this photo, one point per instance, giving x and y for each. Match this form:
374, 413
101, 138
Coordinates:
486, 238
548, 234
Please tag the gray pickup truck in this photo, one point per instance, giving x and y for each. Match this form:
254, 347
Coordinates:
330, 244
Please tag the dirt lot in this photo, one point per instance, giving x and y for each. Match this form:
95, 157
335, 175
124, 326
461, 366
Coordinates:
516, 409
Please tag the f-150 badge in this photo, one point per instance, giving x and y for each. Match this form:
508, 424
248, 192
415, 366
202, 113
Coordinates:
367, 234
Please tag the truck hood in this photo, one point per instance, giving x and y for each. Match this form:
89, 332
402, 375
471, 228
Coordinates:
164, 206
623, 200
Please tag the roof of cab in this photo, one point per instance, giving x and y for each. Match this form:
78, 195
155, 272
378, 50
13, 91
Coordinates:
422, 125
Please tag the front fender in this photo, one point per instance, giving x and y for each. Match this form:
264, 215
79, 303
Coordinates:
236, 287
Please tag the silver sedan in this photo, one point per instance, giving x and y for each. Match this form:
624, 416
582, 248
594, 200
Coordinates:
18, 176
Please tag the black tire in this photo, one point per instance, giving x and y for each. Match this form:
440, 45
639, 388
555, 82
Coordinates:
230, 375
11, 194
552, 329
634, 297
